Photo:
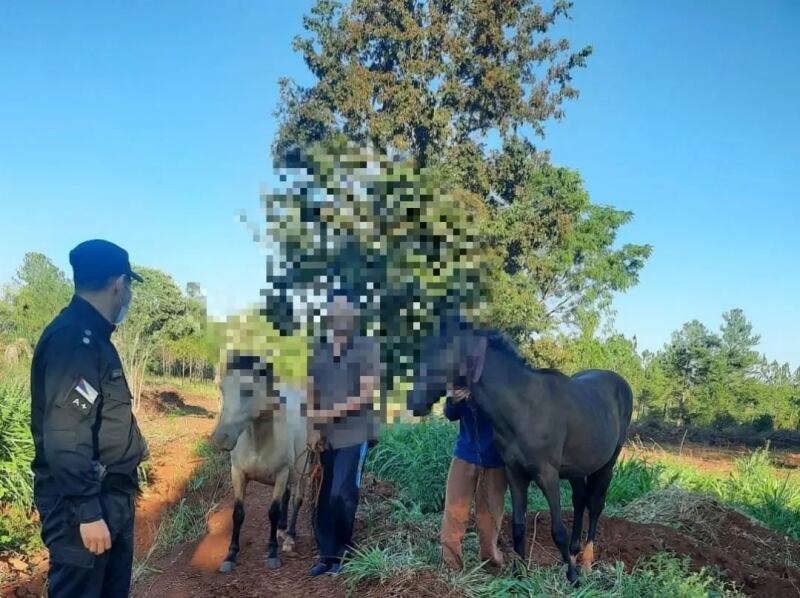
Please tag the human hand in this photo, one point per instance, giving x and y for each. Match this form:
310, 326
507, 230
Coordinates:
96, 537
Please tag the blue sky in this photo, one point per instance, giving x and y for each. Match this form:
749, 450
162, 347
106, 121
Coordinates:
149, 124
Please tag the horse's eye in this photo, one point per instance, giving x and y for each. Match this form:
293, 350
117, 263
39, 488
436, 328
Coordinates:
247, 393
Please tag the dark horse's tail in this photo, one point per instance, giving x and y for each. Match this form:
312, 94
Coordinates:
625, 402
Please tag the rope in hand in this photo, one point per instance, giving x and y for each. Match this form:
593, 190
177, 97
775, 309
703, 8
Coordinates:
312, 469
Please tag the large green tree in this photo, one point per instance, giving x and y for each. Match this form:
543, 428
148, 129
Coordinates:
38, 292
691, 359
159, 313
429, 78
432, 81
555, 254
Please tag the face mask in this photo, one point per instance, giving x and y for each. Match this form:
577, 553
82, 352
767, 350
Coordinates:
123, 311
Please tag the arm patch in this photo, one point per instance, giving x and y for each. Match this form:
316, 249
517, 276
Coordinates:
82, 396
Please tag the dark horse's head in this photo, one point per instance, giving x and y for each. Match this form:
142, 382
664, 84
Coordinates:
447, 358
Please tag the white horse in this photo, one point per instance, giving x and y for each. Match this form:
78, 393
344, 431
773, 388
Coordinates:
262, 425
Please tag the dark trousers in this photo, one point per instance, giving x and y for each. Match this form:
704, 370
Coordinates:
338, 500
74, 571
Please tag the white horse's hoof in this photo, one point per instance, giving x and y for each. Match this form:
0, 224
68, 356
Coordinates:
273, 563
288, 546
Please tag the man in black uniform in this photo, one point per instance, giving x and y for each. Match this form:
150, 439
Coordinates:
88, 445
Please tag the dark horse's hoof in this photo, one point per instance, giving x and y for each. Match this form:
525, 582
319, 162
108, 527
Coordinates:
226, 567
273, 563
572, 578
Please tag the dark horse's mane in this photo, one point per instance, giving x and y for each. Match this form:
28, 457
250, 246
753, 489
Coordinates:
501, 343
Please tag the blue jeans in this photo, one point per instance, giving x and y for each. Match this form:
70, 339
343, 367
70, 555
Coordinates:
338, 500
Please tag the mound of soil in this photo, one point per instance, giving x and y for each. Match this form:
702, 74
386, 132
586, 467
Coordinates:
752, 557
157, 401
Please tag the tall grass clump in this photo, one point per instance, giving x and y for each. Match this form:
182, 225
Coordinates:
16, 444
633, 478
379, 564
754, 488
416, 458
17, 531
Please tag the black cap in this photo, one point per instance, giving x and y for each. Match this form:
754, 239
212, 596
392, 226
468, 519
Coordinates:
99, 260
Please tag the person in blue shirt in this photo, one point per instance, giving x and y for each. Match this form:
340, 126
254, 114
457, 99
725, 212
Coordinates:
477, 470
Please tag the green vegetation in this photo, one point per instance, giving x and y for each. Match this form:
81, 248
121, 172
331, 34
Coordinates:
16, 444
403, 533
660, 576
657, 577
416, 457
17, 532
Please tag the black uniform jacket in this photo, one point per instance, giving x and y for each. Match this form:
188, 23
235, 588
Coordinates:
85, 434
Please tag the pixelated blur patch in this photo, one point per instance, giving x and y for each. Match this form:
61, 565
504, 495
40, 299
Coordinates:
394, 237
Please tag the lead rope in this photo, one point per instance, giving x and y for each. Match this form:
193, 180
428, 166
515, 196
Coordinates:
312, 469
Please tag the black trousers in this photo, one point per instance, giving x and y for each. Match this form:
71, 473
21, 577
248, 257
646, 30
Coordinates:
338, 500
74, 571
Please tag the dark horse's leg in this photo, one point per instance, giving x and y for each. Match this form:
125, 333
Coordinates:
579, 504
548, 482
278, 492
518, 483
239, 486
596, 490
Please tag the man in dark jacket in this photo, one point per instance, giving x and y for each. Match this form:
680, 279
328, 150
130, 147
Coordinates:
88, 444
343, 376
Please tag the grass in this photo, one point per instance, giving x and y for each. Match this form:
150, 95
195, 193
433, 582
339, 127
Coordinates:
657, 577
660, 576
379, 564
187, 521
404, 532
17, 532
416, 458
16, 443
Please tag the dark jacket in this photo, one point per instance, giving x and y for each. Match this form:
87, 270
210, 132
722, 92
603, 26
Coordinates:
85, 435
475, 442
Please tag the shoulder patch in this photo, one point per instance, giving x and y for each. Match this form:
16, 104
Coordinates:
82, 397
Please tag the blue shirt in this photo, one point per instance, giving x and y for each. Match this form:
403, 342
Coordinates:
475, 442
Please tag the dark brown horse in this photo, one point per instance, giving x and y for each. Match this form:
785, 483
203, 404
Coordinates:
547, 426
